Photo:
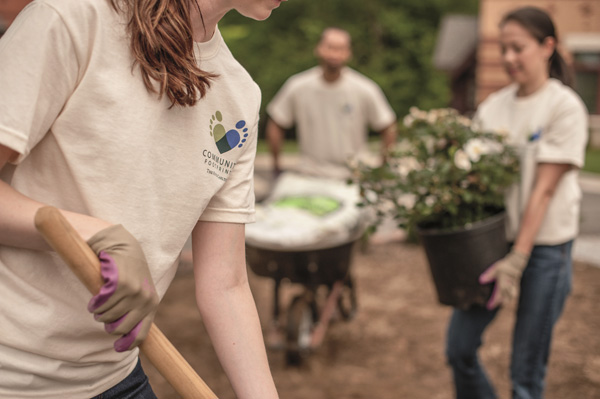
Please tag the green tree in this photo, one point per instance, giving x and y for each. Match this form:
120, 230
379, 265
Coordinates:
393, 43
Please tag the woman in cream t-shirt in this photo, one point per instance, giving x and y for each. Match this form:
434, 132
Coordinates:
547, 122
135, 120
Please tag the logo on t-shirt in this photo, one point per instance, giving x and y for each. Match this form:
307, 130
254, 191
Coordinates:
534, 136
347, 108
227, 139
220, 165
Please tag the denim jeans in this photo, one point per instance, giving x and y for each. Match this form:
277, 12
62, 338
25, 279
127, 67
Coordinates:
134, 386
545, 285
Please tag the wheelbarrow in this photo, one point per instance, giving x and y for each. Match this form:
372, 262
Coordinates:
305, 233
327, 286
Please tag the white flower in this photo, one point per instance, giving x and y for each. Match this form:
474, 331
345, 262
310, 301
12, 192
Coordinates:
463, 120
440, 113
446, 197
432, 117
406, 165
432, 163
403, 146
475, 148
429, 144
461, 160
417, 113
441, 143
430, 200
408, 120
386, 206
407, 201
371, 196
445, 112
494, 147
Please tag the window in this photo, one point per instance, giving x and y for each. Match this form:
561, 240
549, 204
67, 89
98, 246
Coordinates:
587, 79
585, 51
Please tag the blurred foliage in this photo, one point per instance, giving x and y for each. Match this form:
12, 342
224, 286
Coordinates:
592, 160
393, 44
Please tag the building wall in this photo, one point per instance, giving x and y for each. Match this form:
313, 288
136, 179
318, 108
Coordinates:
570, 17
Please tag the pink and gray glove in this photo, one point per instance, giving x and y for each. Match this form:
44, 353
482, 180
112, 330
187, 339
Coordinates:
127, 301
507, 274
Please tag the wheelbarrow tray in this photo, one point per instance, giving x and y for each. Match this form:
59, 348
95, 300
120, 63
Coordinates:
310, 267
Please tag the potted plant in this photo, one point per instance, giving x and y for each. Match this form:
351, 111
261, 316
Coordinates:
444, 183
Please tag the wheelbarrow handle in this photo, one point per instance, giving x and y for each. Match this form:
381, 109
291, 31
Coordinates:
63, 238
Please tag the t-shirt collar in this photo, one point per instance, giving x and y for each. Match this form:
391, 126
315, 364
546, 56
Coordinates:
338, 82
533, 96
210, 48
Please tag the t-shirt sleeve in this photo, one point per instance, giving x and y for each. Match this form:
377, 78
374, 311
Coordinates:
281, 107
39, 71
565, 138
380, 113
234, 202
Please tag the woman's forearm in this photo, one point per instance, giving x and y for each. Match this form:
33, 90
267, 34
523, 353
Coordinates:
16, 220
532, 220
228, 310
547, 179
232, 322
17, 213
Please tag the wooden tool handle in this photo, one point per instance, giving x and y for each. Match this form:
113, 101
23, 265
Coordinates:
61, 236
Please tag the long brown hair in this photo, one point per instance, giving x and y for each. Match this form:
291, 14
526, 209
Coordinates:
162, 45
539, 24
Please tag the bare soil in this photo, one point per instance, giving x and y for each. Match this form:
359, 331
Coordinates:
394, 347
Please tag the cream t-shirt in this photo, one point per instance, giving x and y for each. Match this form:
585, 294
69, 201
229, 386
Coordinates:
93, 140
548, 126
332, 119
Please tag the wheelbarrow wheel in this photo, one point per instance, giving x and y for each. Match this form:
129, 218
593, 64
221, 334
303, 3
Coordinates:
299, 329
347, 304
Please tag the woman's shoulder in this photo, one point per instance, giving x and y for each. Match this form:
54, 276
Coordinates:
80, 11
564, 97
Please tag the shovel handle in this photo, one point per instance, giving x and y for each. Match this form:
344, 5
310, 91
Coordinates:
63, 238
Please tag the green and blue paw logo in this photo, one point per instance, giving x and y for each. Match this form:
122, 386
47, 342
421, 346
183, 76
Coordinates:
227, 140
534, 136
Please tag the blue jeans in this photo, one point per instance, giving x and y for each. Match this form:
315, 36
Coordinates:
545, 285
134, 386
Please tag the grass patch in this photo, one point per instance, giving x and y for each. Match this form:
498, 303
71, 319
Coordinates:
592, 160
289, 146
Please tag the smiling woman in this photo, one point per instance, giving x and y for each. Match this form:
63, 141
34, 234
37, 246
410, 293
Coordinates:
547, 122
126, 101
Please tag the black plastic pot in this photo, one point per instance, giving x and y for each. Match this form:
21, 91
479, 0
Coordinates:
457, 257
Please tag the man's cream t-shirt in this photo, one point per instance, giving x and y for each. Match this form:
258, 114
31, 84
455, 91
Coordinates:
332, 119
93, 140
549, 126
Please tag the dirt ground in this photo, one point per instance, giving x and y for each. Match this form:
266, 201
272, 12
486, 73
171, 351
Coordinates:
393, 348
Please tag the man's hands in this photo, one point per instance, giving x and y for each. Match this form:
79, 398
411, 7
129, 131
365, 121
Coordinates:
507, 274
127, 301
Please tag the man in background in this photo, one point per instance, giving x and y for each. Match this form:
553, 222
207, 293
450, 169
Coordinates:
332, 107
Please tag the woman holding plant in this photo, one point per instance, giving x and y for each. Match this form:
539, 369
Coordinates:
547, 122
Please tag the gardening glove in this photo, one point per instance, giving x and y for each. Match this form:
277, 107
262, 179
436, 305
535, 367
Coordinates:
127, 301
507, 274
